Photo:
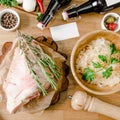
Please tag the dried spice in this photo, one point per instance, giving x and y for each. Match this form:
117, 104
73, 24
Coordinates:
8, 20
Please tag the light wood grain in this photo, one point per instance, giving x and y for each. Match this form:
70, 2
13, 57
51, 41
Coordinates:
62, 110
82, 101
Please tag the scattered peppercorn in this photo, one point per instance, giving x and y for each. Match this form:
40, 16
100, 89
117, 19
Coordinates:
8, 20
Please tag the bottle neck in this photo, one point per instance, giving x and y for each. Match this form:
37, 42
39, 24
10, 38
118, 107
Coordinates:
84, 8
90, 6
52, 8
49, 13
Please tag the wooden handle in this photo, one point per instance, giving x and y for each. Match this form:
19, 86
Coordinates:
81, 100
106, 109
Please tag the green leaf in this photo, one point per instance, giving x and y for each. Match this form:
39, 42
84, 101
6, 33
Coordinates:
88, 75
107, 73
9, 3
113, 49
39, 16
96, 65
114, 60
14, 3
103, 58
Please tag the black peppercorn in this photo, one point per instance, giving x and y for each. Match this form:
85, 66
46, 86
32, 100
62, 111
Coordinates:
8, 20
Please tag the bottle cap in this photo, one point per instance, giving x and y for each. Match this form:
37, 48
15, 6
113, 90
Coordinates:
65, 15
40, 25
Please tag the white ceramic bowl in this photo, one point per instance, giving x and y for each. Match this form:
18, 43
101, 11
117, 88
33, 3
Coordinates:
114, 15
80, 44
13, 12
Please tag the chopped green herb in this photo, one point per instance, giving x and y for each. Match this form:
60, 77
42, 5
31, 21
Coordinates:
9, 3
113, 49
114, 60
107, 73
88, 75
107, 69
96, 65
39, 16
103, 58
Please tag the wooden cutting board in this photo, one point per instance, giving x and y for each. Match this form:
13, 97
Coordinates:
52, 44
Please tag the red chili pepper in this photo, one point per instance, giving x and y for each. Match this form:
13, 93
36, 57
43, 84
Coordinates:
41, 6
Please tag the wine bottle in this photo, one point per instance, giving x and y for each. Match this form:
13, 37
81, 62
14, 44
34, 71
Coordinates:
51, 10
91, 6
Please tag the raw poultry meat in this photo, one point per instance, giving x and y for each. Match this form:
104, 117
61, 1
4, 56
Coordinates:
20, 88
19, 85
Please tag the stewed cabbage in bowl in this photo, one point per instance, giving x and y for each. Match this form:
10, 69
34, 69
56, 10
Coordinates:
95, 62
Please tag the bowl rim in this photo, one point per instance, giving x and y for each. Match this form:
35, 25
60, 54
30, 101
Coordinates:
13, 12
73, 68
112, 14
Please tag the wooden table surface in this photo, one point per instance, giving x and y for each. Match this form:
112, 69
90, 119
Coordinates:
62, 110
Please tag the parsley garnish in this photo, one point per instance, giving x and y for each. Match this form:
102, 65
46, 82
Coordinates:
107, 73
96, 65
88, 75
107, 70
114, 60
113, 49
103, 58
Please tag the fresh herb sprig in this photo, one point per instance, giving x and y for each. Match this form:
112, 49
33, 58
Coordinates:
103, 58
9, 3
39, 16
89, 74
47, 61
35, 76
107, 73
114, 60
113, 49
41, 59
96, 65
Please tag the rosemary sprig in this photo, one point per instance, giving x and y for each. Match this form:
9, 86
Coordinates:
48, 75
35, 76
47, 61
44, 61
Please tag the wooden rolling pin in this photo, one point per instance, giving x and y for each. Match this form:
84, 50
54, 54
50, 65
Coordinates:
82, 101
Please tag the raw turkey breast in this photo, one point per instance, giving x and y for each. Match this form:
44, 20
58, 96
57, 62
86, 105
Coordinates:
19, 86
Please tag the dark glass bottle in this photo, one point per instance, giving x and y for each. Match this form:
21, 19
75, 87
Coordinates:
91, 6
51, 10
